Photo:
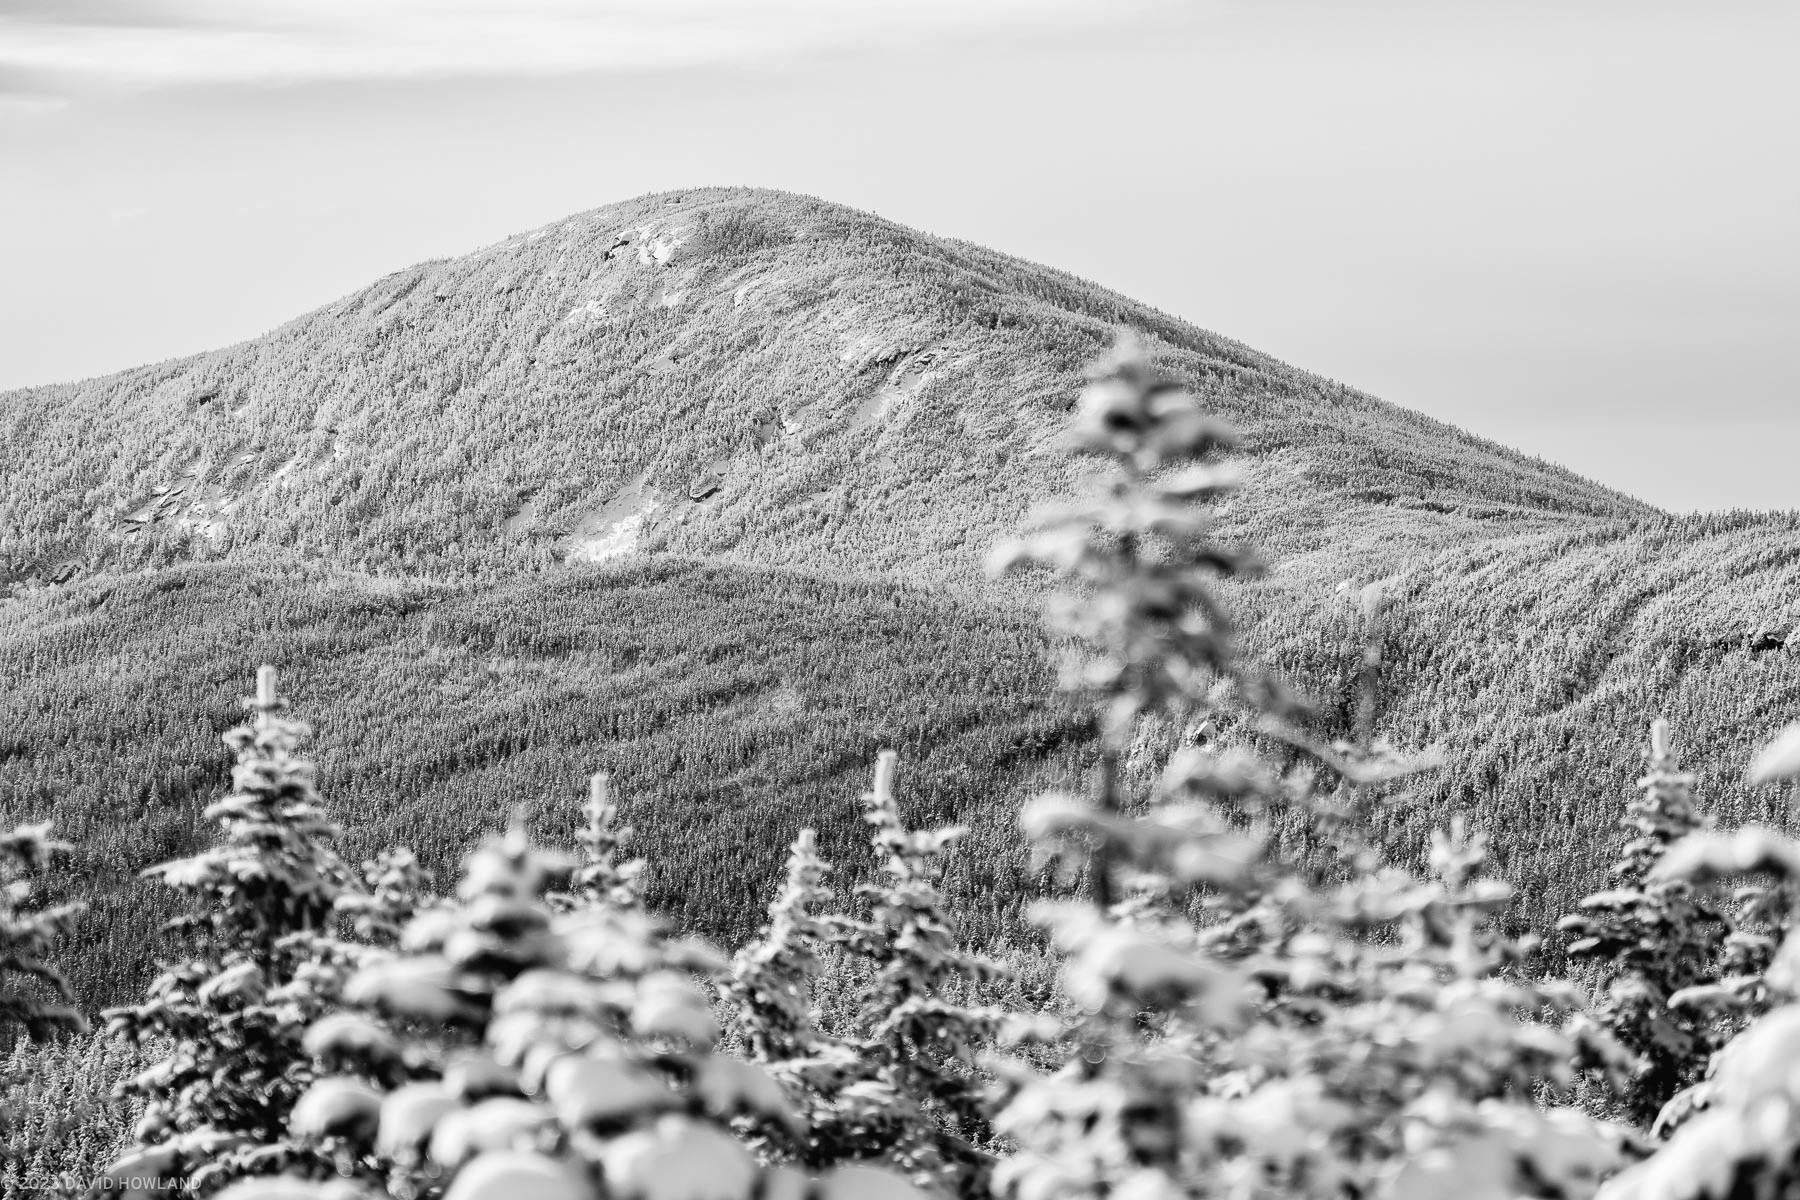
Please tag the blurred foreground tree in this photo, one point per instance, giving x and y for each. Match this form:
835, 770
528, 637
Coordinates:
1243, 1024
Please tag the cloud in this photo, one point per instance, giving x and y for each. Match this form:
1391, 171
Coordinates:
158, 43
96, 14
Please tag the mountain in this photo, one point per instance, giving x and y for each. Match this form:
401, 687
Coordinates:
740, 376
697, 488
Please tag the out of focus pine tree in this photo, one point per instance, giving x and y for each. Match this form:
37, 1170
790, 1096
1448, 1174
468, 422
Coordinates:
1241, 1023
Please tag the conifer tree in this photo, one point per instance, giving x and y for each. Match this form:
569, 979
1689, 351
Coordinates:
772, 977
1145, 632
1243, 1024
34, 996
602, 879
547, 1050
897, 1080
394, 888
1737, 1132
1656, 938
918, 1032
264, 900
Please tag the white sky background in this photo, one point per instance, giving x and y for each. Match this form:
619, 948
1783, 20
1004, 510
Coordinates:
1570, 225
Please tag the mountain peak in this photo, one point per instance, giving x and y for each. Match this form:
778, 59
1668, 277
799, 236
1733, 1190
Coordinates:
724, 373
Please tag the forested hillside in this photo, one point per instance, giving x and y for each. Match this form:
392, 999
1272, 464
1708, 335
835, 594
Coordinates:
730, 705
703, 482
734, 374
1536, 660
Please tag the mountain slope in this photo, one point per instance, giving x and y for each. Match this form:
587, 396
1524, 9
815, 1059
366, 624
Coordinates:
740, 375
731, 706
575, 500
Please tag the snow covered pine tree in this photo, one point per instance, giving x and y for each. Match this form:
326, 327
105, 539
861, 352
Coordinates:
1244, 1025
262, 938
1737, 1132
901, 1083
552, 1052
1655, 938
772, 978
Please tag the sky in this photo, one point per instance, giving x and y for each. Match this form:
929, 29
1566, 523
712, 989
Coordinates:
1571, 226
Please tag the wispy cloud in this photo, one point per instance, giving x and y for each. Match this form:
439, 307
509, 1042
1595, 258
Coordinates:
156, 43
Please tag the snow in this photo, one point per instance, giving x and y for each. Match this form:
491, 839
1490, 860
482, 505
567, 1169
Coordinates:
616, 539
207, 528
746, 293
588, 1091
669, 1006
1699, 1160
785, 1183
1701, 856
862, 349
661, 249
350, 1033
866, 1183
681, 1159
417, 987
1120, 960
475, 1073
518, 1175
408, 1116
1471, 1168
1148, 1183
335, 1106
728, 1086
592, 310
242, 982
1761, 1064
519, 521
1563, 1146
497, 1123
1780, 759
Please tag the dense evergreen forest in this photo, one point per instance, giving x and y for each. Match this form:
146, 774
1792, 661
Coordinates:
732, 705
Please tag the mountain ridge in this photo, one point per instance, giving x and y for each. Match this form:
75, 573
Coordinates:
795, 372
